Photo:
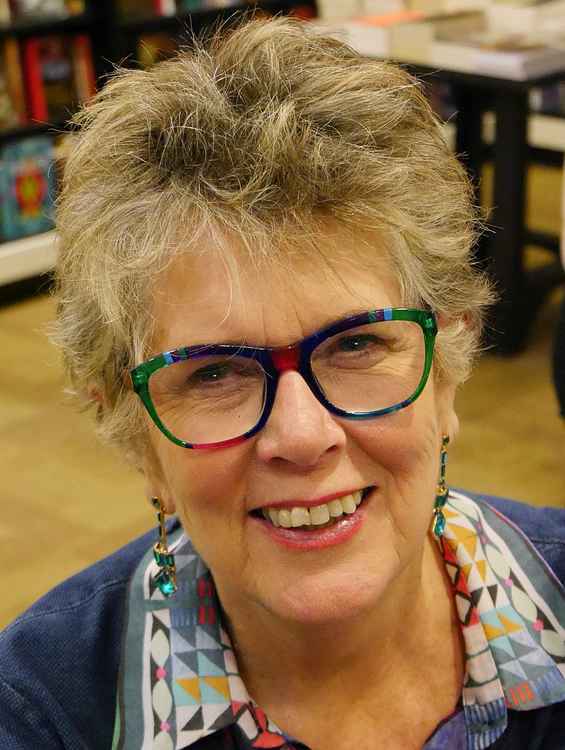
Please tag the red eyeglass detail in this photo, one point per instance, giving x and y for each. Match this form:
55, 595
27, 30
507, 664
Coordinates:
286, 359
222, 444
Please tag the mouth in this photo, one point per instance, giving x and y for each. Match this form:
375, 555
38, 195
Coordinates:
315, 517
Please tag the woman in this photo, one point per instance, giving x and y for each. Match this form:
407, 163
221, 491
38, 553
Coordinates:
260, 240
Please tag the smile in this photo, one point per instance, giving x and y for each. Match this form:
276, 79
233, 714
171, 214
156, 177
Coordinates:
316, 515
316, 526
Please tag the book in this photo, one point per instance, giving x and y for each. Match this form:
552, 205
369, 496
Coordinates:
12, 96
26, 9
330, 10
447, 6
83, 67
385, 36
134, 9
27, 187
338, 10
164, 7
185, 6
59, 75
516, 57
5, 12
380, 7
543, 16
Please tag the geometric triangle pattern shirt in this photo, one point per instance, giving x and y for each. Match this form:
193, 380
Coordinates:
179, 684
511, 608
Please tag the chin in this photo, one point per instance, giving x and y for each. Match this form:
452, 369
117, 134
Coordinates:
328, 598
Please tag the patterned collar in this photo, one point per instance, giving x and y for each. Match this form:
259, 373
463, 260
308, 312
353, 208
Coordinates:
179, 680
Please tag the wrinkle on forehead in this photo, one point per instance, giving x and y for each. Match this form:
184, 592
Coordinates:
204, 298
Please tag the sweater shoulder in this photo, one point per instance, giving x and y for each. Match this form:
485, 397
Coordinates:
60, 658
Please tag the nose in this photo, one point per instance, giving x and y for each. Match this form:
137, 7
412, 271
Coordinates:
299, 430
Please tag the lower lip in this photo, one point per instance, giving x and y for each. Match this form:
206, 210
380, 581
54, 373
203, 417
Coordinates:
330, 536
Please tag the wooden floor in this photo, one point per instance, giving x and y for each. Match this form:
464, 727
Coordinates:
66, 501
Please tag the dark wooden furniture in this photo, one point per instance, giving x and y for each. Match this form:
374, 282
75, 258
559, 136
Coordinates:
502, 250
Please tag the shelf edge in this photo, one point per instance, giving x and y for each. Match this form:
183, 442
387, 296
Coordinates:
30, 256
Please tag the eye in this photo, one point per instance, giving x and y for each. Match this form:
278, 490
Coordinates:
233, 372
357, 343
211, 373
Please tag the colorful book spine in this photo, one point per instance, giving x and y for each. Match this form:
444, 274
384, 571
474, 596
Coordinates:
37, 101
27, 187
13, 78
164, 7
83, 67
129, 9
5, 13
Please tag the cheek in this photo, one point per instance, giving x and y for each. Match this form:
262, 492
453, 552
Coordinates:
405, 461
204, 484
403, 444
208, 492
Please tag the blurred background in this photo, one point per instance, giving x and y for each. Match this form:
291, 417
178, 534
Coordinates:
494, 72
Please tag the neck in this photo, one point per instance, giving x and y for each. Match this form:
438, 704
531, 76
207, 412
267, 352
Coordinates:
413, 631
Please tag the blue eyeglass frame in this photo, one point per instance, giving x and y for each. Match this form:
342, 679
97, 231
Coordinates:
276, 360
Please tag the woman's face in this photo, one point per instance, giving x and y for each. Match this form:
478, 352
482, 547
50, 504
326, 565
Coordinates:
303, 455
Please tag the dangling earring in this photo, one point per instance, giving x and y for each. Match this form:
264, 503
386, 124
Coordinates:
166, 578
442, 492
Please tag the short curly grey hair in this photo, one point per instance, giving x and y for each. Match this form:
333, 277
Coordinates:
263, 132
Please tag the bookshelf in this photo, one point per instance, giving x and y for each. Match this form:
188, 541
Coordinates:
113, 39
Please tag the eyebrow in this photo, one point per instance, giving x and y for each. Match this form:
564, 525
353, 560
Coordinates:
233, 341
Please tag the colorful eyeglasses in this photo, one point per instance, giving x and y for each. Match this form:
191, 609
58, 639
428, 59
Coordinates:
217, 395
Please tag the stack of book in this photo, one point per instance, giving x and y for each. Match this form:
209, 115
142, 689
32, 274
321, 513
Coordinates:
516, 57
516, 42
406, 36
541, 16
400, 35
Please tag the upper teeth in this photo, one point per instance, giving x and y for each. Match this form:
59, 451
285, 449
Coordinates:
316, 515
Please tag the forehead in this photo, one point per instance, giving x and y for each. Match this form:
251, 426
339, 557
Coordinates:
208, 297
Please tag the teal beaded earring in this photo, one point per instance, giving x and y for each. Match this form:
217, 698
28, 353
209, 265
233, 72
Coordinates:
438, 526
166, 578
